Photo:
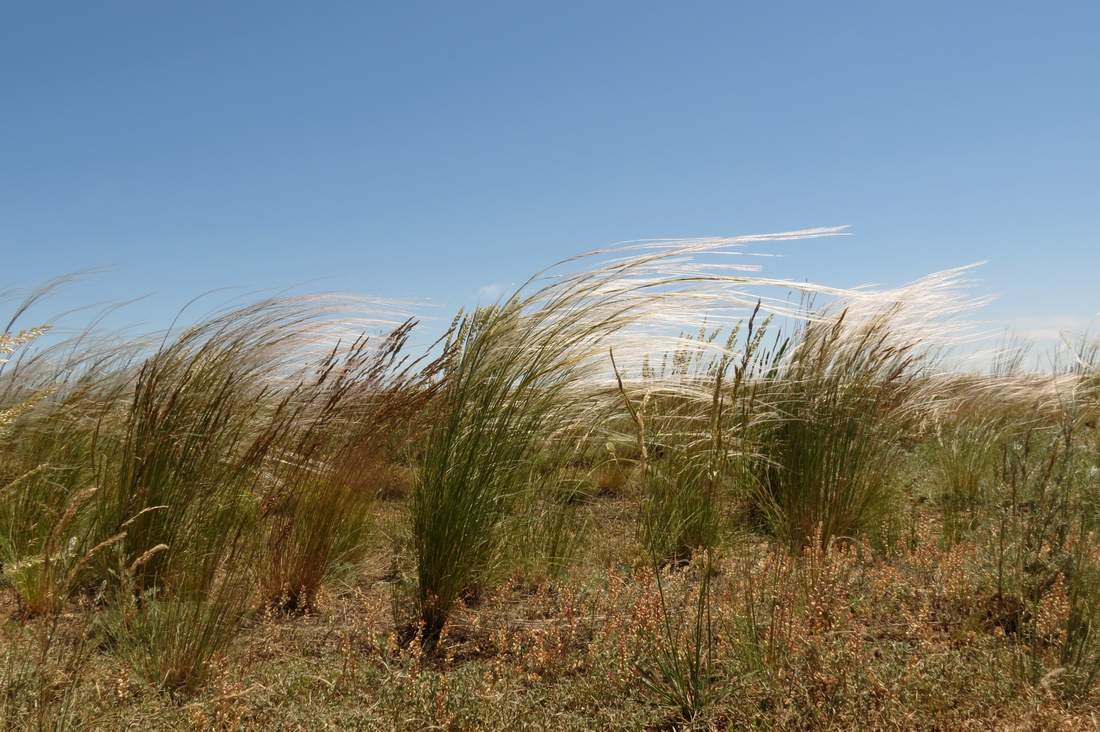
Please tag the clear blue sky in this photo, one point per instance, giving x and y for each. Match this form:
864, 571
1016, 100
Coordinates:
430, 150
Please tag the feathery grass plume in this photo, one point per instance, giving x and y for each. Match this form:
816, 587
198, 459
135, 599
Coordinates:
364, 403
18, 395
533, 367
9, 344
856, 381
1084, 373
1008, 396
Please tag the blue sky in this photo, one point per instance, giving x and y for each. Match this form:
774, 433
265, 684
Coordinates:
430, 150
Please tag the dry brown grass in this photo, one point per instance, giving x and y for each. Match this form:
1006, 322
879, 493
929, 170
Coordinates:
835, 638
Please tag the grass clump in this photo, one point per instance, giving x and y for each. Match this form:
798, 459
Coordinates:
222, 416
58, 404
1042, 565
842, 399
506, 384
963, 458
317, 516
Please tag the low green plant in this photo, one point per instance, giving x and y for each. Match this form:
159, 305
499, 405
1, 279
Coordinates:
45, 574
683, 673
204, 417
963, 457
55, 406
680, 514
174, 636
547, 530
687, 424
